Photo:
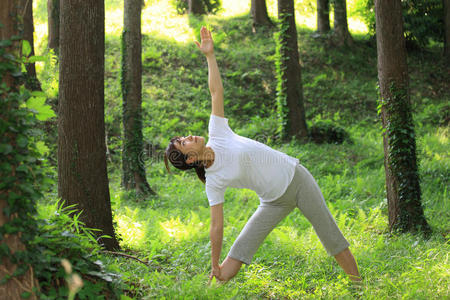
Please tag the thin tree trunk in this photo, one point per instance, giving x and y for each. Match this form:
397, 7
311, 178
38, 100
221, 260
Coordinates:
402, 180
53, 24
323, 16
290, 91
446, 5
82, 174
11, 12
260, 17
196, 7
342, 35
132, 166
31, 81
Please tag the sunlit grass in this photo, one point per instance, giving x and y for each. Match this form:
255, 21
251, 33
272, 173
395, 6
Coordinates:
130, 229
160, 19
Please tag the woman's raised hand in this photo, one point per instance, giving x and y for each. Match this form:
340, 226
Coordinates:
206, 45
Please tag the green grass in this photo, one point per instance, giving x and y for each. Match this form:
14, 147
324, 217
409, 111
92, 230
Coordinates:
172, 229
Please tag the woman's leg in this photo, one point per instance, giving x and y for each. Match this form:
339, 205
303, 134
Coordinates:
260, 224
348, 263
313, 206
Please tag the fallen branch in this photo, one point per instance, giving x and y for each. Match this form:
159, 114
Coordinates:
126, 255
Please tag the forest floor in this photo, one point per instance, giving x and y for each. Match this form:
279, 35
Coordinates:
171, 230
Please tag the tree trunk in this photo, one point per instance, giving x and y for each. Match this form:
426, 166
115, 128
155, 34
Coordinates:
290, 90
342, 35
259, 14
196, 7
446, 5
82, 175
323, 16
53, 24
132, 166
10, 16
31, 80
402, 180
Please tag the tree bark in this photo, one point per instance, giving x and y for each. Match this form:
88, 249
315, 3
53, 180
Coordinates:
402, 180
53, 24
196, 7
11, 12
260, 17
446, 5
31, 80
342, 35
323, 16
132, 165
82, 174
290, 99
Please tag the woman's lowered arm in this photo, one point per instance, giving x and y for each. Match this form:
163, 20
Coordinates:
214, 80
216, 236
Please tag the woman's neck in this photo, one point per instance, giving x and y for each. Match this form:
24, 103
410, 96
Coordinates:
207, 157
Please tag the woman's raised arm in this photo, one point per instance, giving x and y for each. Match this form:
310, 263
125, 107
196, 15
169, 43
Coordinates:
214, 81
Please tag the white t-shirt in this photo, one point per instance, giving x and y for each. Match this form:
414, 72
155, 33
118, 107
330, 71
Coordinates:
240, 162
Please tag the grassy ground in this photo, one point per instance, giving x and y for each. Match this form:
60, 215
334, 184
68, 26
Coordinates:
171, 230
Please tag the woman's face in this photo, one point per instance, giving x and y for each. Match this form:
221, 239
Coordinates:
191, 145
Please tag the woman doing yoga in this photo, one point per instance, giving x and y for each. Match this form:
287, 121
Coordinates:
230, 160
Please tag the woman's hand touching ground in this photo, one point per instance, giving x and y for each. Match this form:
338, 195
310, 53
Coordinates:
206, 46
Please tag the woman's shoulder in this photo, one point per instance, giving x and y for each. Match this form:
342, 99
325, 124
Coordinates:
218, 126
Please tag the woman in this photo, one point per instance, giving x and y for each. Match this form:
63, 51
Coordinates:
279, 180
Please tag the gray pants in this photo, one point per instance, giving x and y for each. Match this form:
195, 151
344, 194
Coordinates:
304, 193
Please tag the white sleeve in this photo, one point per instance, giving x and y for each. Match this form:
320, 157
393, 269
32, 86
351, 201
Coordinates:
218, 127
215, 195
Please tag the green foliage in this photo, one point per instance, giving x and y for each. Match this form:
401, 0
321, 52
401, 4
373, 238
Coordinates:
281, 62
402, 161
20, 167
61, 235
209, 6
422, 20
325, 131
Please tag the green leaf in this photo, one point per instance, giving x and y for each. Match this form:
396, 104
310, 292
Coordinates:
36, 58
43, 111
42, 148
26, 48
38, 94
5, 43
5, 148
22, 141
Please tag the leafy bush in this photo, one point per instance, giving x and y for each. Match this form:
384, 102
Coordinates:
325, 131
422, 20
63, 236
209, 6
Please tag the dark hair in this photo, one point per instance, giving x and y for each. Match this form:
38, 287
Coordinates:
178, 160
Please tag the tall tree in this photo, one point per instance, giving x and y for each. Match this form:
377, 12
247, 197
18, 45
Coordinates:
17, 190
323, 16
196, 7
290, 91
342, 35
82, 175
53, 24
446, 5
132, 166
402, 180
32, 81
260, 17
